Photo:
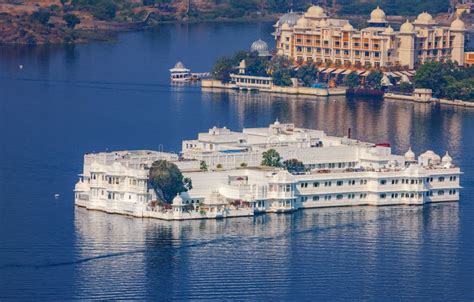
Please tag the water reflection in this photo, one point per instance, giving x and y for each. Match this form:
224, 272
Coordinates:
276, 255
401, 124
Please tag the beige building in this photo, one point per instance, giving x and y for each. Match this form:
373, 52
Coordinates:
315, 37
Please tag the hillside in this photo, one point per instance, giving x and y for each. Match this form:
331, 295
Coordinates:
74, 21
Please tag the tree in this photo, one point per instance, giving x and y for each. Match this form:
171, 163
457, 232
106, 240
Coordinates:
222, 69
293, 165
271, 158
307, 74
352, 80
42, 16
256, 65
433, 76
406, 87
203, 166
374, 79
71, 20
167, 180
281, 69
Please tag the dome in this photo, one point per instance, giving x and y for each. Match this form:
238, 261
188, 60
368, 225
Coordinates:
389, 30
302, 22
259, 46
177, 200
424, 18
429, 157
410, 155
179, 65
283, 177
285, 26
447, 159
347, 27
457, 25
315, 11
377, 16
276, 123
290, 19
406, 27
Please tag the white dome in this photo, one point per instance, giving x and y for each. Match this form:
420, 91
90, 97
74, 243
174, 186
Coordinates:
406, 27
259, 46
315, 11
389, 30
410, 155
289, 19
179, 65
347, 27
433, 157
447, 159
177, 200
302, 22
377, 16
424, 18
457, 25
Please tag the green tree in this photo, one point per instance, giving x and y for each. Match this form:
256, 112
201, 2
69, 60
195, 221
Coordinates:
222, 69
167, 180
307, 74
271, 158
71, 20
352, 80
256, 65
281, 68
203, 166
374, 80
433, 76
42, 16
406, 87
293, 165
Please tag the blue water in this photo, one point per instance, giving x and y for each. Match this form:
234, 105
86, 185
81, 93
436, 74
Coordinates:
108, 96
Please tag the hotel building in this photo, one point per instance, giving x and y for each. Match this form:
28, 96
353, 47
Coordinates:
315, 37
339, 171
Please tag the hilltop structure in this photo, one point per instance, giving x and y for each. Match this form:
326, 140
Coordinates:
315, 37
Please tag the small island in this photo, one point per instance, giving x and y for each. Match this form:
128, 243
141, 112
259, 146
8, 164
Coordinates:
276, 169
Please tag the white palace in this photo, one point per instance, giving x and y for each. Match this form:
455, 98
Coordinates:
315, 37
338, 172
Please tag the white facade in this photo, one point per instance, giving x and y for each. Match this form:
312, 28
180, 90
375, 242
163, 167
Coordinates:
338, 172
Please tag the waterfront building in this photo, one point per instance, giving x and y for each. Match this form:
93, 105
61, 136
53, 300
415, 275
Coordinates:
339, 171
315, 37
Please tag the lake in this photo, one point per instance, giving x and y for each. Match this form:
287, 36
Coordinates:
67, 101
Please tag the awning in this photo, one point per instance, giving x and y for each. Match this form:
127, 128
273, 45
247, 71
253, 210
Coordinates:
365, 73
338, 71
348, 71
391, 74
407, 73
329, 70
359, 72
398, 74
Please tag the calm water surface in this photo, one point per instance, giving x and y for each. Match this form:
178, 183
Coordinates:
109, 96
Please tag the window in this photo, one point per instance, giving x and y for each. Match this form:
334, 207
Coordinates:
441, 192
304, 198
383, 182
327, 184
383, 196
340, 183
315, 198
315, 184
441, 179
327, 197
363, 181
339, 196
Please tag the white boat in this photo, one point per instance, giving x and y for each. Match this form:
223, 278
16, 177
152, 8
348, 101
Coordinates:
179, 73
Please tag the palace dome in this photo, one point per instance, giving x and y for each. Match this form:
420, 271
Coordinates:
315, 11
447, 159
389, 30
347, 27
259, 46
457, 25
410, 155
424, 18
406, 27
177, 200
377, 16
289, 18
302, 22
